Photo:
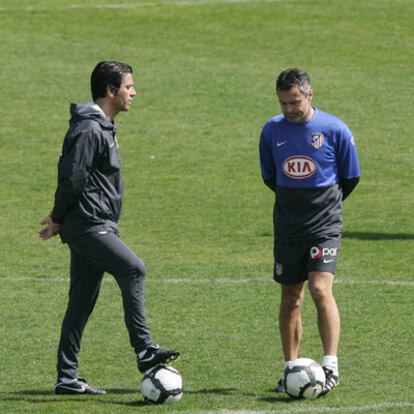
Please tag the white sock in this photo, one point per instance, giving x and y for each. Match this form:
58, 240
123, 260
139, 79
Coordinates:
287, 364
331, 362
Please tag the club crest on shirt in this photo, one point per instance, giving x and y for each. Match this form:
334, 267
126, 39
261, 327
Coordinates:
317, 139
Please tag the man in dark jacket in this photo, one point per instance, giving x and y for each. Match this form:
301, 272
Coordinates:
86, 211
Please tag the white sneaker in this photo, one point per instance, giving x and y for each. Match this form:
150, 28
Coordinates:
331, 381
280, 387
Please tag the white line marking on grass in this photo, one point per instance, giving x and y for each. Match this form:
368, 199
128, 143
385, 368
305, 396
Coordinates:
375, 282
115, 6
219, 281
170, 3
321, 410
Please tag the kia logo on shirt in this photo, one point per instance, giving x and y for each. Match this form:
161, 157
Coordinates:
299, 167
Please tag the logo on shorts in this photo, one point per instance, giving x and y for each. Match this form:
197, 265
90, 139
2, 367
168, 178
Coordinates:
278, 269
299, 167
318, 253
317, 140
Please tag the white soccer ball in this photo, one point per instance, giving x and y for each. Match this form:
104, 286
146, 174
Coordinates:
304, 378
162, 384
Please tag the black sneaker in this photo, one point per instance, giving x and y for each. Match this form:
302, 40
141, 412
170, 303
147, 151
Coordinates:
154, 356
331, 381
77, 386
280, 387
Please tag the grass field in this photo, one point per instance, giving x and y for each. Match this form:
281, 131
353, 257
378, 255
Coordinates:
195, 208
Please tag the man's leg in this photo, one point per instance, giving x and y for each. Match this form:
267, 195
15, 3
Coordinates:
290, 321
290, 324
290, 270
85, 283
115, 257
320, 286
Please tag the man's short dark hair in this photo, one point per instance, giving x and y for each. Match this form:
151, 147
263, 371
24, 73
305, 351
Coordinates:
293, 77
107, 74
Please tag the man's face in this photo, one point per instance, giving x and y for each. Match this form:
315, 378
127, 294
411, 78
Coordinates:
125, 94
295, 105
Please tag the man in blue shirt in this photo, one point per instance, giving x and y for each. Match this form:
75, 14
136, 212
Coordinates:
309, 159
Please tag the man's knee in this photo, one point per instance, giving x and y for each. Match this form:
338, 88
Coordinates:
320, 286
137, 268
292, 297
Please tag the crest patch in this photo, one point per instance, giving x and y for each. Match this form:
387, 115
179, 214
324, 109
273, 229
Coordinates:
317, 140
278, 269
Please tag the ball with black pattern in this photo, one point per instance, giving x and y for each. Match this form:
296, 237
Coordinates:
162, 385
304, 378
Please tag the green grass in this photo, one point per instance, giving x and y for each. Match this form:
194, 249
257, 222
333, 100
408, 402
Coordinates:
195, 208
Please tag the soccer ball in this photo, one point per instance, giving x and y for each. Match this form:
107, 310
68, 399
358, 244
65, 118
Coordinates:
162, 384
304, 378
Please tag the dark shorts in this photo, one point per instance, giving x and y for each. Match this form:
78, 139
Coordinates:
294, 260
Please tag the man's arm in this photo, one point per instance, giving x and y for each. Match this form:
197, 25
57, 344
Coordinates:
50, 230
75, 166
347, 185
271, 184
267, 164
348, 163
74, 169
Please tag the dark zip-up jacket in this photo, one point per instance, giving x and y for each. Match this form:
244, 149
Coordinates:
89, 190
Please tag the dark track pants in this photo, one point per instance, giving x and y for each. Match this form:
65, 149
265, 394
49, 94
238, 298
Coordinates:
91, 256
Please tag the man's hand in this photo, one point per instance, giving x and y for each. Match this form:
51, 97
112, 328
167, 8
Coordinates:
50, 230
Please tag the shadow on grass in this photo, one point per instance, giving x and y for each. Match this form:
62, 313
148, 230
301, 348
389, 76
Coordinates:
280, 398
48, 397
220, 391
139, 403
203, 391
377, 236
117, 391
33, 392
122, 391
276, 399
29, 396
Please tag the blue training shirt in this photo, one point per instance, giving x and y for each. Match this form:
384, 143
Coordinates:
306, 161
